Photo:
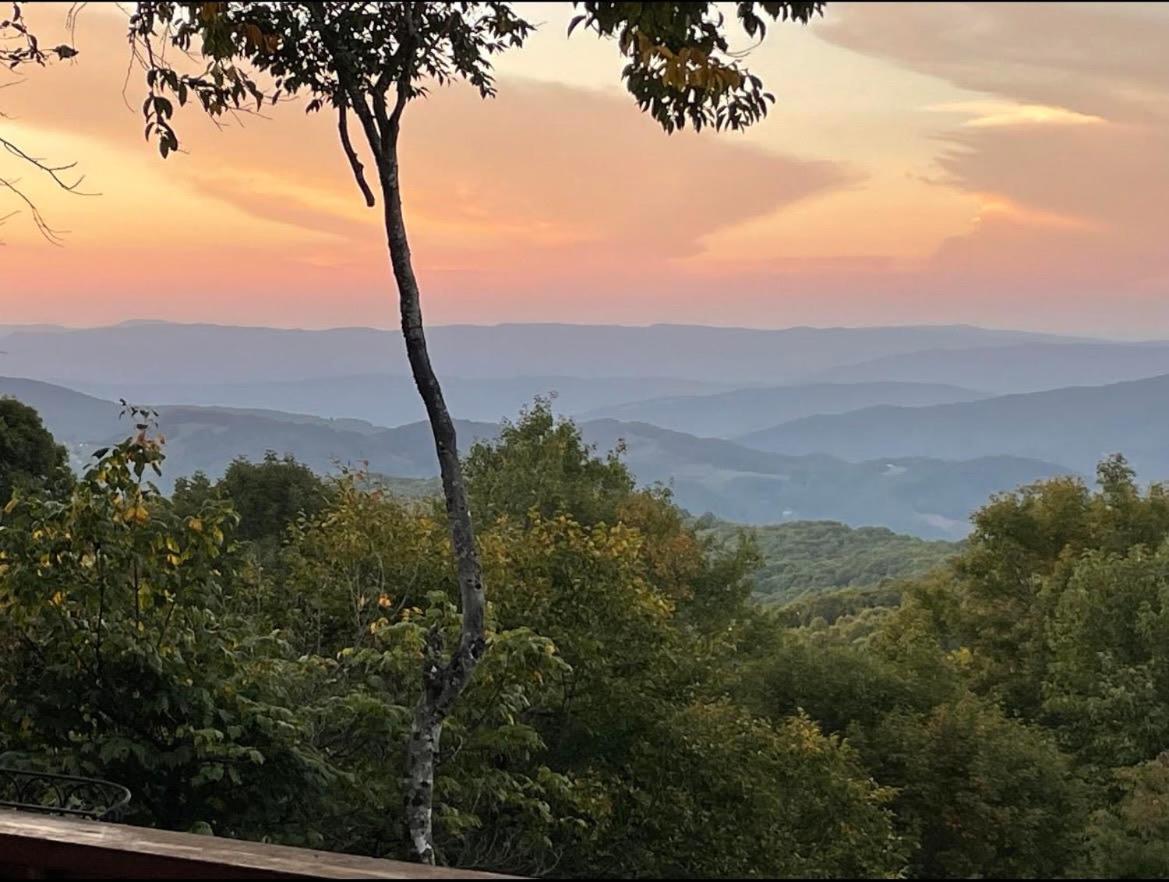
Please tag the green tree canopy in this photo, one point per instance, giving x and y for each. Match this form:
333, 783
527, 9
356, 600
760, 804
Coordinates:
268, 496
980, 794
1130, 838
29, 455
541, 464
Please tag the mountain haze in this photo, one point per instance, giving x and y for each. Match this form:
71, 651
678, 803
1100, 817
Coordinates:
390, 399
909, 428
1025, 367
726, 414
924, 496
159, 352
918, 495
1075, 427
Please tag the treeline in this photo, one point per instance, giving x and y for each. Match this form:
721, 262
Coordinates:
244, 655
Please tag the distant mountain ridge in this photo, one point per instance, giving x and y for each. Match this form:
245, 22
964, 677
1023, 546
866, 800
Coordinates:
209, 438
922, 496
388, 399
1023, 367
895, 426
165, 353
1075, 426
727, 414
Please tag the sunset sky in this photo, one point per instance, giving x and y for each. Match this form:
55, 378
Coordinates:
1004, 165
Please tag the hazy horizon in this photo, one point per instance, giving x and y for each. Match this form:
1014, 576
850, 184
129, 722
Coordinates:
210, 322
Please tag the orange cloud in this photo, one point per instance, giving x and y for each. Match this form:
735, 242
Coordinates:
1065, 150
1105, 60
544, 184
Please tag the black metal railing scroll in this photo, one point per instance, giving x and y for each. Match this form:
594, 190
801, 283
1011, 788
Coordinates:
67, 795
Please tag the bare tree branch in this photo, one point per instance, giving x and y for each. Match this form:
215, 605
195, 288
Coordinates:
351, 154
27, 50
51, 235
53, 171
56, 173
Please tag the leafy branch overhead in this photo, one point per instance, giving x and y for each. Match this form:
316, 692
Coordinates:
21, 45
680, 67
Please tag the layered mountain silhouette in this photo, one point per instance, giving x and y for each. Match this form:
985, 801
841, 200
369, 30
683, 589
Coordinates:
910, 428
1075, 427
920, 495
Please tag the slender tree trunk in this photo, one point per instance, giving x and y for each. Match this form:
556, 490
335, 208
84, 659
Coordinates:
442, 681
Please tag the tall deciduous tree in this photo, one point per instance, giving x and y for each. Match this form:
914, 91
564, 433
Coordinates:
368, 61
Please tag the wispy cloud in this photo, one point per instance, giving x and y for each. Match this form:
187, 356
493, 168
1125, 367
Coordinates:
981, 114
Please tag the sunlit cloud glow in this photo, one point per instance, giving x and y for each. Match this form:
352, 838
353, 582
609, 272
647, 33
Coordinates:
994, 113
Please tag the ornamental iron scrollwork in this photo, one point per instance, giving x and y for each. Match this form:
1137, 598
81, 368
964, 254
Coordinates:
68, 795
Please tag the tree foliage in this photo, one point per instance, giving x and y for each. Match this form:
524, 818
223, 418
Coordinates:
1129, 839
680, 67
29, 455
143, 643
638, 715
543, 465
270, 495
814, 557
980, 794
1029, 675
122, 657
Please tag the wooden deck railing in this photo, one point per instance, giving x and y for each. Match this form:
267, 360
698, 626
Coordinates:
41, 847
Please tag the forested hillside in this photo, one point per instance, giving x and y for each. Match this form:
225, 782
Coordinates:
815, 557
